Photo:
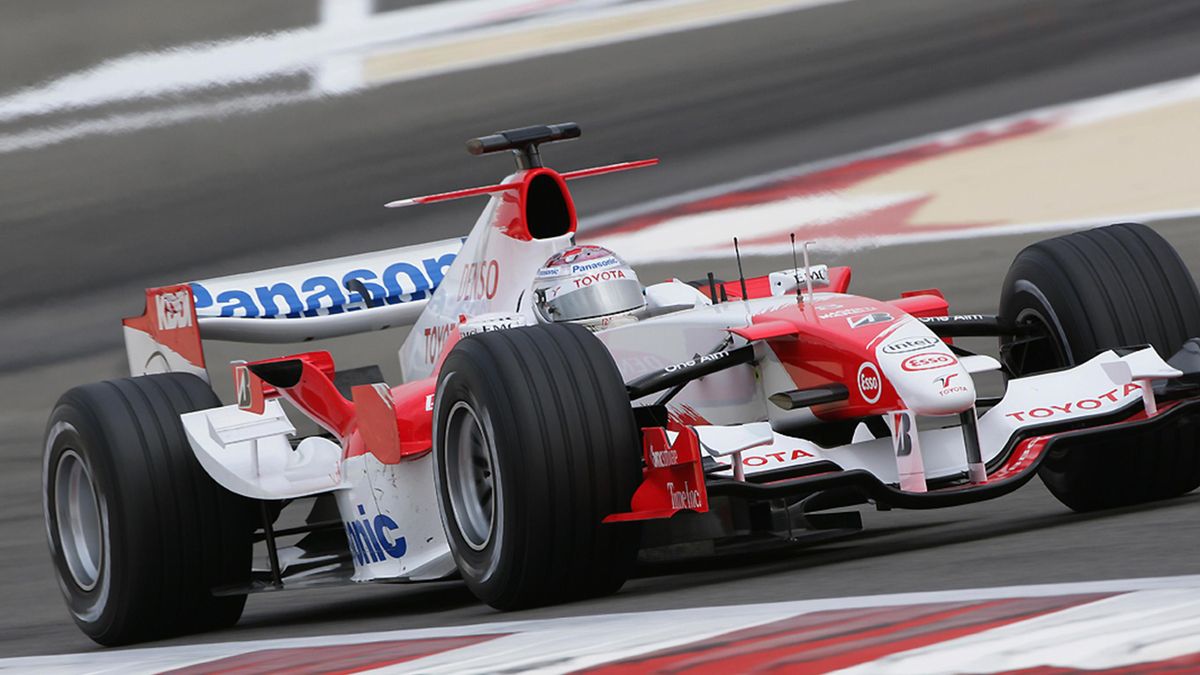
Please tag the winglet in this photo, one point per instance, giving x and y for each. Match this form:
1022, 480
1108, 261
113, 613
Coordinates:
765, 330
609, 168
488, 189
455, 194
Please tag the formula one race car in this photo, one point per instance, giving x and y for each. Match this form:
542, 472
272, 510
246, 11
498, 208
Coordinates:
556, 416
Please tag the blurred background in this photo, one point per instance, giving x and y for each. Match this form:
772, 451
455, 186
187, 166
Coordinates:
922, 141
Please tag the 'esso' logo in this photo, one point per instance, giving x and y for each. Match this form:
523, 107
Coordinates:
870, 386
927, 362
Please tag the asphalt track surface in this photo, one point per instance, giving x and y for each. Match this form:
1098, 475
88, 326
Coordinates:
89, 223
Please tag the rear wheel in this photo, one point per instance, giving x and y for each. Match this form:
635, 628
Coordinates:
534, 444
1087, 292
138, 531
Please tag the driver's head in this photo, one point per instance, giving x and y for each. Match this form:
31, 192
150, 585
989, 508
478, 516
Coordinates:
588, 285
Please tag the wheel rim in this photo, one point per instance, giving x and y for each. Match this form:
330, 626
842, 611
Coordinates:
80, 521
470, 476
1040, 350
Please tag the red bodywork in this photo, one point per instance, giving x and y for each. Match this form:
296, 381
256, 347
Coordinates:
391, 423
673, 479
823, 342
170, 321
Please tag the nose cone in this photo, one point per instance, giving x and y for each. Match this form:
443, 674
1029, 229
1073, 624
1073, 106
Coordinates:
925, 374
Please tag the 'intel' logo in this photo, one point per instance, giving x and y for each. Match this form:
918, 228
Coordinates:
910, 344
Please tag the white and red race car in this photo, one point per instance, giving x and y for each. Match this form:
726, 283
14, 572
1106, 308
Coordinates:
533, 450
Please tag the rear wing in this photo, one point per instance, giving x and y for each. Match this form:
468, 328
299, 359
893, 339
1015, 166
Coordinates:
312, 301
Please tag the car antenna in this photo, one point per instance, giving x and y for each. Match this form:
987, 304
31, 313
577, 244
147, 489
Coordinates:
807, 271
796, 269
741, 276
712, 288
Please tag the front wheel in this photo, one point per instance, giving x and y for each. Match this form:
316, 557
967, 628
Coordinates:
138, 532
534, 444
1081, 294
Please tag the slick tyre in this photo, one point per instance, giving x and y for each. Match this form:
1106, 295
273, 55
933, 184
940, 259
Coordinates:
138, 532
534, 444
1083, 293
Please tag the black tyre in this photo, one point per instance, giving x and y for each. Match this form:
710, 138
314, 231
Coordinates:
138, 531
1086, 292
534, 444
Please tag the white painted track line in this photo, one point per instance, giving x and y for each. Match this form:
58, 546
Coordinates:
1143, 619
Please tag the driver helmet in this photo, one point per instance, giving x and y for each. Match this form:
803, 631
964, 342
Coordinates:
588, 285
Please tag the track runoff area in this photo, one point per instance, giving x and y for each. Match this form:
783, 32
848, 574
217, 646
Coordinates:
1146, 625
1126, 156
1129, 156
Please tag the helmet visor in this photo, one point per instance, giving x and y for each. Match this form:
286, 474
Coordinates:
599, 299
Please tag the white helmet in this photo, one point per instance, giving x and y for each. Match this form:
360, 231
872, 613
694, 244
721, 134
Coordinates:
589, 285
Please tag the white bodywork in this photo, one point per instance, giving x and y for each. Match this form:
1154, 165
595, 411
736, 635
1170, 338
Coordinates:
147, 356
914, 386
392, 520
250, 454
491, 274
